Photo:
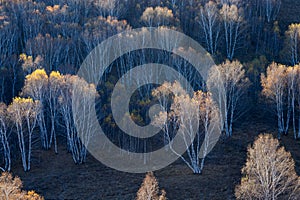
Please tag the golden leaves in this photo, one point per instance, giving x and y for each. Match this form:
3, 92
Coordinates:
56, 8
55, 75
294, 29
277, 77
39, 74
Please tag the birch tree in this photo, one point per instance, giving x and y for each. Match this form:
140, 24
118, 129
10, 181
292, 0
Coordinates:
29, 64
158, 16
272, 8
266, 9
195, 115
52, 50
4, 120
114, 8
229, 82
209, 123
165, 96
4, 76
86, 100
297, 85
293, 39
274, 88
36, 86
24, 113
96, 29
292, 77
269, 172
53, 93
9, 30
232, 20
65, 103
209, 21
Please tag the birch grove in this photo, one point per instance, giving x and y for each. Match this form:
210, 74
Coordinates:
24, 114
76, 143
233, 25
44, 42
158, 16
36, 86
281, 88
209, 21
274, 84
195, 115
84, 101
272, 8
293, 40
229, 82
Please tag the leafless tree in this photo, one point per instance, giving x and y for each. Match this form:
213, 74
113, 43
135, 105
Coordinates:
233, 22
4, 136
100, 28
272, 8
209, 21
293, 36
297, 68
52, 50
292, 77
115, 8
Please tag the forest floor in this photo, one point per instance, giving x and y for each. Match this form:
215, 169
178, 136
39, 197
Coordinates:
57, 177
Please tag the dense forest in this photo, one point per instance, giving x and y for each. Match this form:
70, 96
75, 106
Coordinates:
256, 49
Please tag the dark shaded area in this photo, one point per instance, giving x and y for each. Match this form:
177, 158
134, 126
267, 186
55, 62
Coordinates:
141, 100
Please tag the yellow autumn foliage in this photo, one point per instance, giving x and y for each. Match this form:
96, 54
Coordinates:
39, 74
274, 81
